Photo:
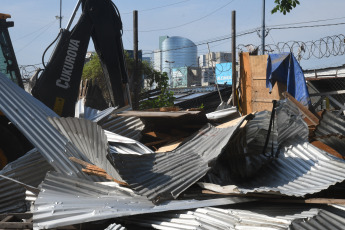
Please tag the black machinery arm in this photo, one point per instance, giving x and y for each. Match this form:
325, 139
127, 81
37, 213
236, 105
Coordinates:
58, 85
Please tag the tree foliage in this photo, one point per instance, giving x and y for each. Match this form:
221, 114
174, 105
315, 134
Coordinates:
284, 6
93, 71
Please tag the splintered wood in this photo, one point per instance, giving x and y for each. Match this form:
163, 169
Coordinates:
95, 170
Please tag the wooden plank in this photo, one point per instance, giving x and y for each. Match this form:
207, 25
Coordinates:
81, 162
16, 225
173, 114
314, 119
170, 146
7, 218
27, 215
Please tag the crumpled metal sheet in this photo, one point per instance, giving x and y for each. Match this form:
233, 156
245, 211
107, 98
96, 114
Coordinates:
115, 227
244, 216
65, 200
89, 138
30, 116
91, 114
330, 124
162, 176
125, 145
300, 169
29, 169
331, 131
130, 127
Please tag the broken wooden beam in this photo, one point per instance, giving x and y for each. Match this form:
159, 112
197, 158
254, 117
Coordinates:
306, 112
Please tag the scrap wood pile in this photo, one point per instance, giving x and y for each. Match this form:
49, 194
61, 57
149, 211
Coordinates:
112, 168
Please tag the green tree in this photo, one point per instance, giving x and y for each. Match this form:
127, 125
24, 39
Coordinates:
284, 6
93, 71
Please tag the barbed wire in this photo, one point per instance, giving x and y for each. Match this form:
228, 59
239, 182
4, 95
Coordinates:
27, 71
323, 48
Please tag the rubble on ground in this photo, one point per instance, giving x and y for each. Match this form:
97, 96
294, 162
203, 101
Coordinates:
124, 169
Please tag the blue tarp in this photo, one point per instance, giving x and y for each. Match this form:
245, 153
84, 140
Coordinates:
284, 68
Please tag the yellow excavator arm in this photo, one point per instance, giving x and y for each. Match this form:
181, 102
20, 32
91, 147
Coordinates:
4, 16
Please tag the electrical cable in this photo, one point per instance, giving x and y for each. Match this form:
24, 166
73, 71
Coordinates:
34, 38
187, 23
27, 35
159, 7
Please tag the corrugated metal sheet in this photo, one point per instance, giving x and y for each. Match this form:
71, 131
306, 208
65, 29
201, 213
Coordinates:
324, 220
290, 123
30, 116
130, 127
115, 227
300, 169
260, 217
331, 131
65, 200
209, 141
82, 111
330, 124
89, 138
125, 145
166, 175
160, 176
336, 142
29, 169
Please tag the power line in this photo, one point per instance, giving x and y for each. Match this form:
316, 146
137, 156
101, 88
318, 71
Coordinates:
24, 36
296, 23
187, 23
159, 7
35, 38
204, 42
310, 26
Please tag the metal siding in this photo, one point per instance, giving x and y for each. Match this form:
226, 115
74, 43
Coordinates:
300, 169
257, 216
30, 116
29, 169
65, 200
166, 175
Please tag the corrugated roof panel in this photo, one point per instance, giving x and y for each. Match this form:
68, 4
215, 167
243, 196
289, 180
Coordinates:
209, 141
300, 169
115, 227
330, 124
258, 216
89, 138
130, 127
165, 175
30, 116
65, 200
29, 169
160, 176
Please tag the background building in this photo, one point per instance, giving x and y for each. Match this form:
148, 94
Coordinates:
178, 52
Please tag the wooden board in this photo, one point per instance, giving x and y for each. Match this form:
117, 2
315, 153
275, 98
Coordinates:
255, 95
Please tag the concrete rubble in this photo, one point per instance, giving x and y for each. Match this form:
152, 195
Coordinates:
123, 169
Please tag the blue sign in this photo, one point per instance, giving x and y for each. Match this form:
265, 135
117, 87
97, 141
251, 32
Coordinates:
224, 73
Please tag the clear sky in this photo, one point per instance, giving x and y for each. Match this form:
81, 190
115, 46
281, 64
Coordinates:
36, 25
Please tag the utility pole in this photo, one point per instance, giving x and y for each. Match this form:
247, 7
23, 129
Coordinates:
263, 28
233, 53
135, 79
60, 13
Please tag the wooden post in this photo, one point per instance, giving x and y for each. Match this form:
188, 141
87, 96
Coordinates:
233, 50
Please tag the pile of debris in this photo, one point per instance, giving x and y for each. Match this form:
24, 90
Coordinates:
123, 169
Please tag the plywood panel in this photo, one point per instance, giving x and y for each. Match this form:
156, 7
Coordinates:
255, 95
245, 84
